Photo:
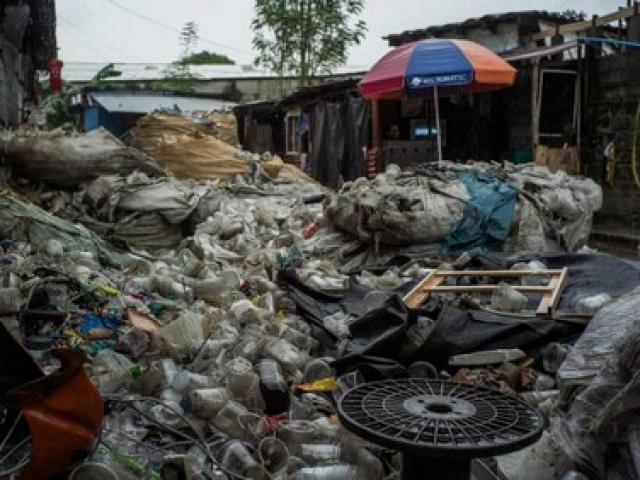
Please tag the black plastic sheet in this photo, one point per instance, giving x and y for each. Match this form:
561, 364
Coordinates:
380, 330
589, 274
339, 132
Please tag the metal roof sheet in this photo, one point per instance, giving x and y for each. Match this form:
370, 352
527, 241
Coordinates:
82, 72
538, 52
127, 102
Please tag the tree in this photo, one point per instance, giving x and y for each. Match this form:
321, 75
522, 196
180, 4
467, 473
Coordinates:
188, 37
178, 76
574, 15
206, 57
306, 37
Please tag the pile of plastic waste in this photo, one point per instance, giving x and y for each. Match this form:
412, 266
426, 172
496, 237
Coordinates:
210, 364
204, 365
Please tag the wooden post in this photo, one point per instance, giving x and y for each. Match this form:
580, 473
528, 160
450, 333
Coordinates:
376, 134
535, 76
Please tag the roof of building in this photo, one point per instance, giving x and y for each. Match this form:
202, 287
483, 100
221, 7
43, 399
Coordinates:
83, 72
321, 91
115, 101
524, 18
539, 52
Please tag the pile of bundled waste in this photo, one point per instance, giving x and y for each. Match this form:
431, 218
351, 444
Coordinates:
185, 148
470, 207
64, 161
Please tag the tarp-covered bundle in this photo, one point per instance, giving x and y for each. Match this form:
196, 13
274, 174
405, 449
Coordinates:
65, 161
185, 149
477, 207
600, 430
138, 211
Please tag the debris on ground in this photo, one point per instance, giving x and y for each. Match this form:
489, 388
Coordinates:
222, 316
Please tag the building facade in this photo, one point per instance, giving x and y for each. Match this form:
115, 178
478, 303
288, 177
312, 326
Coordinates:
27, 43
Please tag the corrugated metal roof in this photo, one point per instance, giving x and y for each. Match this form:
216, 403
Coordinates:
485, 21
127, 102
82, 72
538, 52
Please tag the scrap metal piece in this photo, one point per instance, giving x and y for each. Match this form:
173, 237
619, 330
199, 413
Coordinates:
63, 410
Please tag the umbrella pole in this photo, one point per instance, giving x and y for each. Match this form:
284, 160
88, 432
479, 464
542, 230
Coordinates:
436, 101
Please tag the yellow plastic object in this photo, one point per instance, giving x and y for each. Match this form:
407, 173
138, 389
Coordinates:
107, 290
328, 384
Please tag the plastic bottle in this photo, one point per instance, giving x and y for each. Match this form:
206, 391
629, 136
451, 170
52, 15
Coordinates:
315, 454
553, 355
288, 356
591, 305
574, 476
273, 388
53, 249
274, 455
317, 369
369, 466
227, 419
113, 371
327, 472
9, 301
159, 375
296, 432
417, 336
240, 377
237, 459
423, 370
207, 402
185, 381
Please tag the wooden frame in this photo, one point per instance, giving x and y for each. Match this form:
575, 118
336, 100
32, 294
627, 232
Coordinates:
432, 284
595, 21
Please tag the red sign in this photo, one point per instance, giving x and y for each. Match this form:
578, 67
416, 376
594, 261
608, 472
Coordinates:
55, 74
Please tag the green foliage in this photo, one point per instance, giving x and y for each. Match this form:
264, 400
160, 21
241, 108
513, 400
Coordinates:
206, 57
57, 113
306, 37
105, 73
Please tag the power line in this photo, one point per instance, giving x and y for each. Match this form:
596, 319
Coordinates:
174, 29
97, 39
86, 46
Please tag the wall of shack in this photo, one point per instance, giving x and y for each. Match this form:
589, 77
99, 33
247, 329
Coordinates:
612, 99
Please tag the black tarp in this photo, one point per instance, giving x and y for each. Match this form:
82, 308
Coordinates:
358, 127
328, 142
380, 330
589, 274
339, 131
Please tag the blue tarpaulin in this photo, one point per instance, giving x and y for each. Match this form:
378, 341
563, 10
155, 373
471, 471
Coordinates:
487, 216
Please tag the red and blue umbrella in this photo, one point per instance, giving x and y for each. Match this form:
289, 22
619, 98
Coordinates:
420, 66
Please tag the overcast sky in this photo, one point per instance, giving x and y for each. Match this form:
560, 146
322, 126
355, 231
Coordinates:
146, 30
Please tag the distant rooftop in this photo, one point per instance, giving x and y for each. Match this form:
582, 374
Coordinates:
527, 19
83, 72
115, 101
